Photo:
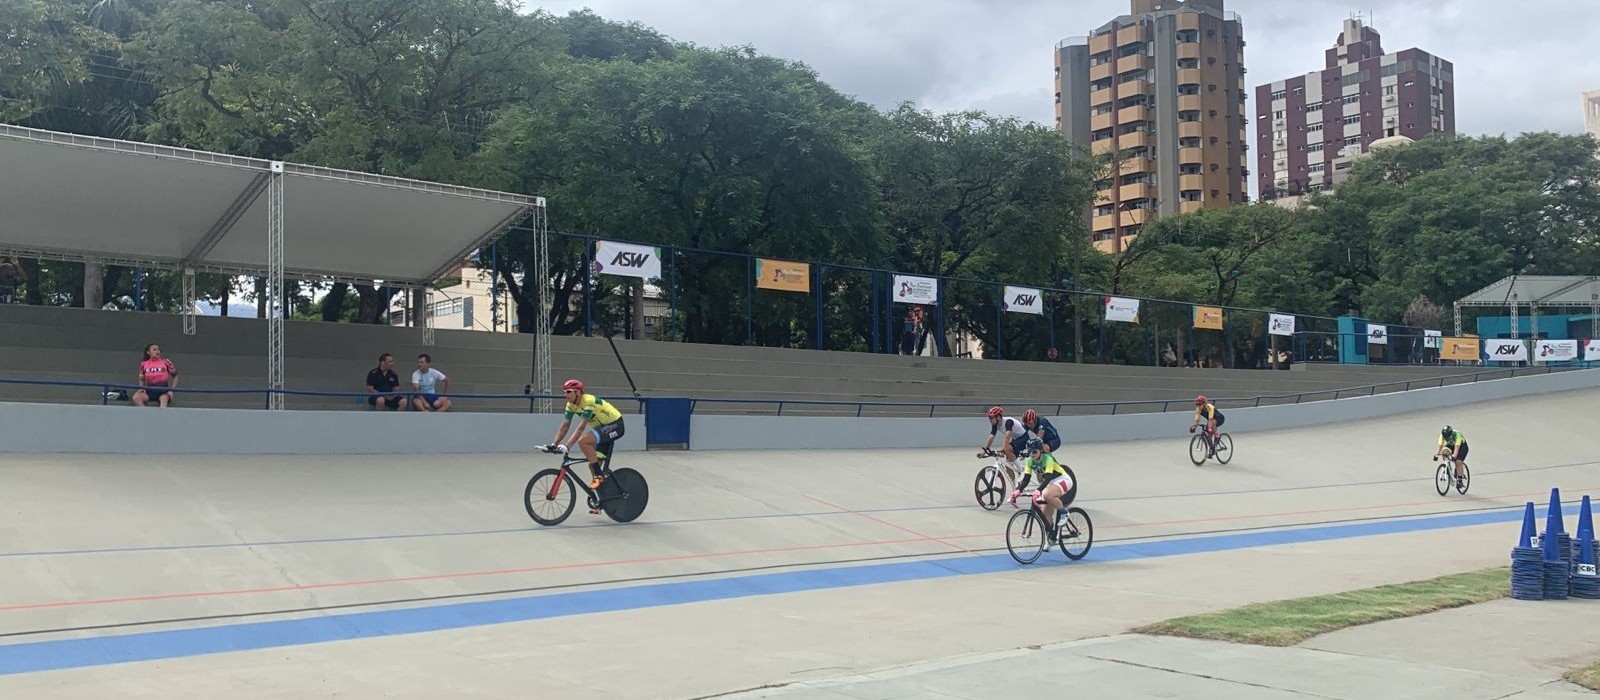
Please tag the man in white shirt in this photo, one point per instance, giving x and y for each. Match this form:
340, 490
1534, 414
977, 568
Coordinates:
425, 380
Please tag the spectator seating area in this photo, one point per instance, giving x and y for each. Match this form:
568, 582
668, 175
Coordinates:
104, 346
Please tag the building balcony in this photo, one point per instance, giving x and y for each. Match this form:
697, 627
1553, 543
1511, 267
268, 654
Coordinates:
1134, 114
1189, 76
1139, 164
1103, 146
1138, 190
1134, 217
1189, 103
1137, 61
1188, 20
1100, 43
1186, 207
1190, 130
1104, 222
1134, 139
1191, 182
1101, 97
1132, 34
1100, 122
1189, 51
1102, 71
1191, 155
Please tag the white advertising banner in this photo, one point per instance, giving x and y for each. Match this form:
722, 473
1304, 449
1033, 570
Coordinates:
1377, 334
1502, 350
612, 258
1591, 350
1432, 339
1556, 350
1281, 324
1024, 300
916, 290
1120, 309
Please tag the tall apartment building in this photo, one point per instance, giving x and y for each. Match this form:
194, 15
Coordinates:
1591, 112
1159, 92
1311, 128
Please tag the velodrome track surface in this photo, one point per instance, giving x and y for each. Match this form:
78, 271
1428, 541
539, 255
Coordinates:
421, 576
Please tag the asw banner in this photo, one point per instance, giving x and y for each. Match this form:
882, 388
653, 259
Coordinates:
640, 261
1591, 350
1024, 300
783, 275
1119, 309
1430, 339
1501, 350
1208, 317
1556, 350
916, 290
1377, 334
1281, 324
1463, 349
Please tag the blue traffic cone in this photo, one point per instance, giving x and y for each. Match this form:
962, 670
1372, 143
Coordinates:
1585, 522
1586, 558
1525, 540
1553, 518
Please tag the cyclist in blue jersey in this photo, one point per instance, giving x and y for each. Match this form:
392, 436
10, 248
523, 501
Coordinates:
1042, 428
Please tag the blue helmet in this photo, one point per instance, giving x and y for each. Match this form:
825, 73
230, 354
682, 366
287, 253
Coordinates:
1035, 444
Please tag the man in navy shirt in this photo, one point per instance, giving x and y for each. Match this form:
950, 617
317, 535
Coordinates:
382, 380
1042, 428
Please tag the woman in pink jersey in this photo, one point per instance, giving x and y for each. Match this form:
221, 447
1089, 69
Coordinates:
157, 375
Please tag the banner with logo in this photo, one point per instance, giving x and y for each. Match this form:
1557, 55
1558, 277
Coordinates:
1463, 349
1120, 309
783, 275
611, 258
1591, 350
1430, 339
916, 290
1556, 350
1501, 350
1023, 300
1280, 324
1208, 317
1377, 334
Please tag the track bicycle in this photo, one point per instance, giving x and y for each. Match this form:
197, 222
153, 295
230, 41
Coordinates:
1203, 446
552, 494
1444, 476
996, 481
1026, 537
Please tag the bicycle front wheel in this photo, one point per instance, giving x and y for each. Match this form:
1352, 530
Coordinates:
1077, 533
1025, 536
989, 487
1224, 448
549, 497
1441, 479
1197, 450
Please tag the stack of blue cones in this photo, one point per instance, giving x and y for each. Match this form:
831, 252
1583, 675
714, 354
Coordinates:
1527, 562
1557, 552
1585, 583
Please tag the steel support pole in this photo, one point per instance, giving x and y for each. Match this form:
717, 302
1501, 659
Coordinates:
188, 301
541, 324
275, 300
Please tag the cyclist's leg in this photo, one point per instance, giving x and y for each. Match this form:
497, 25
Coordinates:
587, 443
1052, 501
1460, 461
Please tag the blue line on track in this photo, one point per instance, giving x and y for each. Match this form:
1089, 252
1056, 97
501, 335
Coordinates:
34, 657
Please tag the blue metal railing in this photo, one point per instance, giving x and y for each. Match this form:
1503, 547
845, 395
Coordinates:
860, 408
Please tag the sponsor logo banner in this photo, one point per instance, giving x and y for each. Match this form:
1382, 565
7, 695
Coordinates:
1208, 317
1556, 350
1464, 349
1024, 300
1430, 339
611, 258
783, 275
1281, 324
1120, 309
1377, 334
916, 290
1501, 350
1591, 350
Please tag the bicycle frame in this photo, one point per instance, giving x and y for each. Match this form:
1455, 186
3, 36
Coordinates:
569, 459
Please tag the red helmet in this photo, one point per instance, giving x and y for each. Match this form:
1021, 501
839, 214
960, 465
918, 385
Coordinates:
996, 412
1200, 400
1030, 416
573, 385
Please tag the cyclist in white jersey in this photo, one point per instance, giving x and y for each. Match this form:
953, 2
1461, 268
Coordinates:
1015, 434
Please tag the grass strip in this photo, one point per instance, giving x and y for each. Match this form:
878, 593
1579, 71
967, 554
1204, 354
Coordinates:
1289, 622
1587, 677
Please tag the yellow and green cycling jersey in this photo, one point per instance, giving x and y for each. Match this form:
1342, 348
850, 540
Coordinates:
594, 410
1044, 466
1456, 438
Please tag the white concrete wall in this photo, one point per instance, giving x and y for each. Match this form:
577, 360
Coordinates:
123, 429
773, 432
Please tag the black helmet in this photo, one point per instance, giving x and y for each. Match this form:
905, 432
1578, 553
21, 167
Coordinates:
1447, 431
1035, 444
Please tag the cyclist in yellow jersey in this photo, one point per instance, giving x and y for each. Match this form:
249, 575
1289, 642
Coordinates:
1056, 486
1453, 445
604, 427
1203, 408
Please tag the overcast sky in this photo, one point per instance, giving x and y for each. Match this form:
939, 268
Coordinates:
1518, 66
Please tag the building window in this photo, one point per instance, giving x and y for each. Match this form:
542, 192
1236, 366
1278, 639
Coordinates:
1353, 119
1278, 95
1315, 167
1314, 127
1188, 63
1350, 99
1388, 89
1314, 148
1277, 114
1314, 106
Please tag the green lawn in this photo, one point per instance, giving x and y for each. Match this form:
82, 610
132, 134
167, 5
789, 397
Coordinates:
1288, 622
1586, 677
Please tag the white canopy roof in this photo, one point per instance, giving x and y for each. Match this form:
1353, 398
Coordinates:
79, 197
1543, 290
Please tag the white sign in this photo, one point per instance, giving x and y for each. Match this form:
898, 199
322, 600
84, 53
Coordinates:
1024, 300
1591, 350
611, 258
1119, 309
1281, 324
1501, 350
1556, 350
1378, 334
1432, 339
916, 290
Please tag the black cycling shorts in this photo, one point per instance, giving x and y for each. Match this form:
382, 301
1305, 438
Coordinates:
1463, 447
608, 433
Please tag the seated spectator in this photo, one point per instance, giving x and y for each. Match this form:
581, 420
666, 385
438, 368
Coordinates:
381, 383
425, 380
11, 277
158, 377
